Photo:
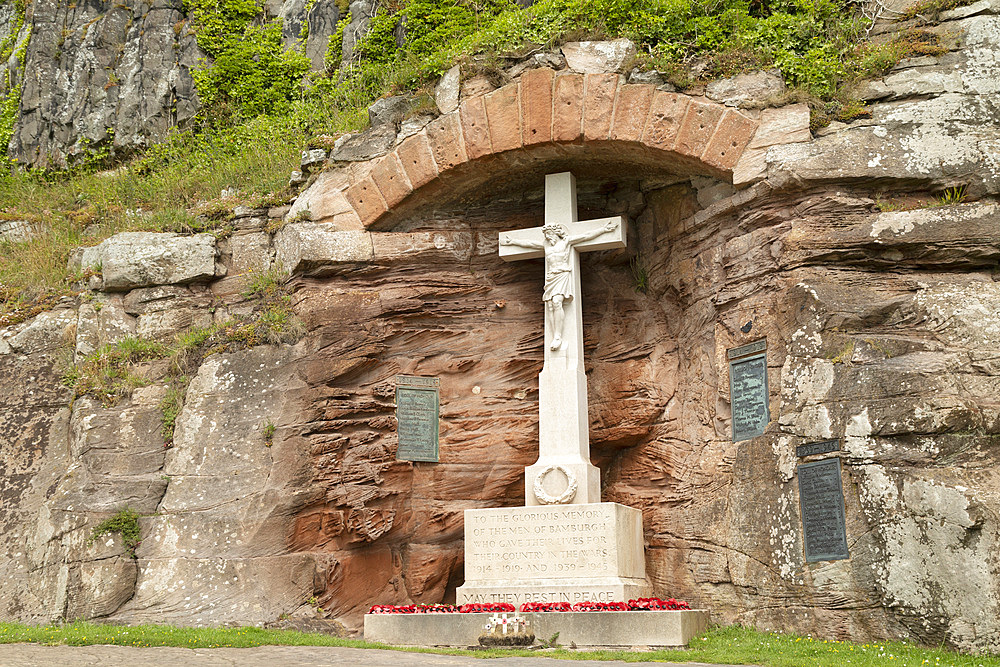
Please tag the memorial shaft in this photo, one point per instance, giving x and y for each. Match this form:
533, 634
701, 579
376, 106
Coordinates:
563, 424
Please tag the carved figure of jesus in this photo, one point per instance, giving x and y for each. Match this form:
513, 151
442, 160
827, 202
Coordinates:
558, 287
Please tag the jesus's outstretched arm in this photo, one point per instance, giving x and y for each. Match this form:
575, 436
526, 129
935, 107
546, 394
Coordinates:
505, 239
609, 226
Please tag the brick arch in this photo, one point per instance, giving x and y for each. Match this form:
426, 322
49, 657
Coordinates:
544, 109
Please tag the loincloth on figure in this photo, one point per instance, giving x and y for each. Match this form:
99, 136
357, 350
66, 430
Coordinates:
558, 283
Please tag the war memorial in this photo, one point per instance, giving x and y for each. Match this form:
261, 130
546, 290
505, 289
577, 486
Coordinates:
566, 339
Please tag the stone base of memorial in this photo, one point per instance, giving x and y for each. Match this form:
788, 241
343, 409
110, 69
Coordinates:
585, 629
554, 553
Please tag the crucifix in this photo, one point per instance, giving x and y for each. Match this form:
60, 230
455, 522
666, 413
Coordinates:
563, 473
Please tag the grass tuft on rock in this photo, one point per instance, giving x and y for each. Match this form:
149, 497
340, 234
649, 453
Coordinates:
109, 373
124, 523
112, 372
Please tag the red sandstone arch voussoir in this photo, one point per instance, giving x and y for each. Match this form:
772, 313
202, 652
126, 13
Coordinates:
545, 107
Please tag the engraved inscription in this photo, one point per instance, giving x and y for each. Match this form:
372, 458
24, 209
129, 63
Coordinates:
557, 544
813, 448
748, 396
821, 498
417, 381
417, 423
567, 595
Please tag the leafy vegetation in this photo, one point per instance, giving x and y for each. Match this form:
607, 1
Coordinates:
170, 408
816, 44
124, 523
8, 49
109, 373
732, 645
951, 196
249, 72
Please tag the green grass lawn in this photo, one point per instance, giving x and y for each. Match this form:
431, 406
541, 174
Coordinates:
733, 645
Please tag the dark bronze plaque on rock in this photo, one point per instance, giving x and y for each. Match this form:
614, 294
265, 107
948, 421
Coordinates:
749, 348
813, 448
748, 396
417, 408
821, 499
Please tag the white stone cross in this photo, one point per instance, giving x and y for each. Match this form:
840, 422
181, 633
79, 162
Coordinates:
563, 473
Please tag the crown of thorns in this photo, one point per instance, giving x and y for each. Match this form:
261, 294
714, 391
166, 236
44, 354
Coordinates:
558, 229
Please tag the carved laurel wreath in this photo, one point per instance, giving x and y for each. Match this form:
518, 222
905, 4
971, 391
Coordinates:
566, 496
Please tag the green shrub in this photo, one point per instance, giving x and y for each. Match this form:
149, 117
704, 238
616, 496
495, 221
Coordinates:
335, 48
248, 71
10, 105
125, 523
810, 41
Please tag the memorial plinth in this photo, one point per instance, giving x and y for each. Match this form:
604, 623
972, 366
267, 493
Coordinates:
555, 553
597, 629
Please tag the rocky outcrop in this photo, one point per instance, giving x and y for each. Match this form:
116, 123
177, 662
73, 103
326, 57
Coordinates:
16, 231
115, 79
306, 25
599, 57
141, 259
282, 485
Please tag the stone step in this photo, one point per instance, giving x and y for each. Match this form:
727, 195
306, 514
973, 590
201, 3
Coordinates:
585, 629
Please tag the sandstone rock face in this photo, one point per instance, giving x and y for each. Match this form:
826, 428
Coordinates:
598, 57
745, 89
215, 553
305, 247
140, 259
282, 485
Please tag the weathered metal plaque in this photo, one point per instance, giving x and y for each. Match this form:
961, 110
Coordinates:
813, 448
748, 396
821, 500
749, 348
417, 410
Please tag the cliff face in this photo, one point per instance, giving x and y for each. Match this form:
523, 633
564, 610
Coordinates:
281, 493
96, 75
117, 77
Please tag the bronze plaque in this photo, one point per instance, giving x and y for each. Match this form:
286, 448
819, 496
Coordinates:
417, 410
748, 396
821, 500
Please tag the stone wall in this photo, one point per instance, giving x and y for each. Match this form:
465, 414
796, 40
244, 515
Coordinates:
878, 325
